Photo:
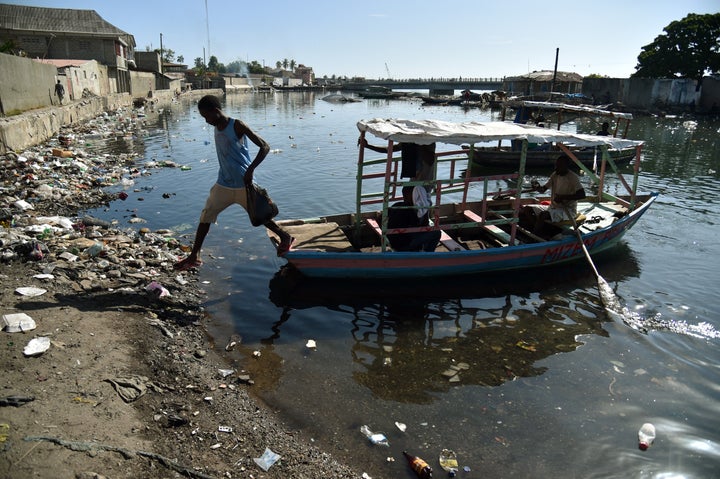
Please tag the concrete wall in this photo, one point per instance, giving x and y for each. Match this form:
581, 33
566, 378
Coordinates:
148, 61
26, 84
654, 94
90, 76
710, 96
141, 83
22, 131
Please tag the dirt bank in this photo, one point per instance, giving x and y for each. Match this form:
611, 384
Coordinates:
130, 386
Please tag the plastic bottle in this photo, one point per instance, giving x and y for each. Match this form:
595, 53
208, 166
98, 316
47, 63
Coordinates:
646, 436
377, 439
421, 468
448, 461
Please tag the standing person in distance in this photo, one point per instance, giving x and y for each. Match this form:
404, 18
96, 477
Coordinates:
234, 176
59, 91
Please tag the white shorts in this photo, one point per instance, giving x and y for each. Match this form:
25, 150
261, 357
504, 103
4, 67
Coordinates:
221, 197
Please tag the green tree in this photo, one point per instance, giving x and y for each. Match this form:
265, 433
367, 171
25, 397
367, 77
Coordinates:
213, 64
167, 55
278, 64
292, 65
236, 66
180, 59
286, 63
255, 67
199, 63
689, 48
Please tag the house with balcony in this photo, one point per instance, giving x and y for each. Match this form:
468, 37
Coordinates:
69, 34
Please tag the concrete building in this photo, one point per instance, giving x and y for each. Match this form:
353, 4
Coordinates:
540, 83
61, 33
81, 78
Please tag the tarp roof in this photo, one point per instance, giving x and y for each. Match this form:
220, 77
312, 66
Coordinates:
425, 132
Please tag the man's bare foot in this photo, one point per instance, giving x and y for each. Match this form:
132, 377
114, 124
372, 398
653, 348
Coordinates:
188, 263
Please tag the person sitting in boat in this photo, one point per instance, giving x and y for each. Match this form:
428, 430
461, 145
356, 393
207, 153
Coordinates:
399, 217
566, 190
605, 131
417, 161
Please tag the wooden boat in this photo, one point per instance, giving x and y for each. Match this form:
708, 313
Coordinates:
554, 115
378, 92
540, 157
480, 227
339, 98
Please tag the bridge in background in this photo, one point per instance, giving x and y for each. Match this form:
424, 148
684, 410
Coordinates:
438, 86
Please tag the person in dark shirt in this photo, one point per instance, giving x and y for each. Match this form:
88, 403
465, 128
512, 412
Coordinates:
409, 218
605, 131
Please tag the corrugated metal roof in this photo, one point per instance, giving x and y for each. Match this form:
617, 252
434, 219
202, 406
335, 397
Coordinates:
58, 20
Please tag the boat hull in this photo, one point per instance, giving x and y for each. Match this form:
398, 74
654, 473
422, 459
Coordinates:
321, 264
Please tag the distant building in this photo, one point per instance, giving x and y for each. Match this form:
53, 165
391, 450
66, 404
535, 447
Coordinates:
61, 33
82, 77
540, 83
305, 74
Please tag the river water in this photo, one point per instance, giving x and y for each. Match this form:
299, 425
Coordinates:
547, 384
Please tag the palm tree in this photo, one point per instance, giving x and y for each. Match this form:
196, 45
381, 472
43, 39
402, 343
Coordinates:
286, 63
278, 64
292, 65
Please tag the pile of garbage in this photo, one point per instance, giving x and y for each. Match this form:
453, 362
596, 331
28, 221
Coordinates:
44, 188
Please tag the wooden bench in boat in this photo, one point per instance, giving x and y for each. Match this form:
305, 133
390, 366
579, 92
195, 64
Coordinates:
494, 230
445, 238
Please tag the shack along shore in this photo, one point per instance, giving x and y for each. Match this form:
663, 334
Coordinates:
125, 382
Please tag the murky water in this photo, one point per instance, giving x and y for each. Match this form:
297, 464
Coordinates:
522, 375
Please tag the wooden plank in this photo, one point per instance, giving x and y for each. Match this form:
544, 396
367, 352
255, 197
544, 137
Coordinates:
495, 231
528, 233
445, 238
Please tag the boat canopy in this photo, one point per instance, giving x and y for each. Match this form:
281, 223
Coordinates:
425, 132
547, 105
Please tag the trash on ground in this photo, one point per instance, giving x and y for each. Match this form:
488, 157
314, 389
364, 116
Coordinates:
267, 459
157, 288
17, 323
378, 439
311, 344
30, 291
37, 346
401, 426
227, 429
448, 461
646, 436
131, 388
16, 401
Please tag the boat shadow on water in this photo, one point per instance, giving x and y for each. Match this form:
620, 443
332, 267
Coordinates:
413, 339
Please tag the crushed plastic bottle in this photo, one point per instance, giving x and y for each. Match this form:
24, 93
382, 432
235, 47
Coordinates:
377, 439
646, 436
448, 461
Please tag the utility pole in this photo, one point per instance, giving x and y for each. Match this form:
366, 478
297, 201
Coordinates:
161, 56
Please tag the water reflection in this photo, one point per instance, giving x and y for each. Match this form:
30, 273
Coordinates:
413, 340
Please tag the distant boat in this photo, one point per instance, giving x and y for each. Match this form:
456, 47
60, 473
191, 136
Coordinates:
339, 98
553, 115
380, 92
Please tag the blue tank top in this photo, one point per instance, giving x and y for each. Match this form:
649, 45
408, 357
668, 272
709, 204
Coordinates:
233, 156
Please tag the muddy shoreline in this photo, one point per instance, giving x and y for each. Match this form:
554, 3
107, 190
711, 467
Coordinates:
131, 384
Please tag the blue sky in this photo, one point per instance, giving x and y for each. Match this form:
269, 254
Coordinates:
414, 38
